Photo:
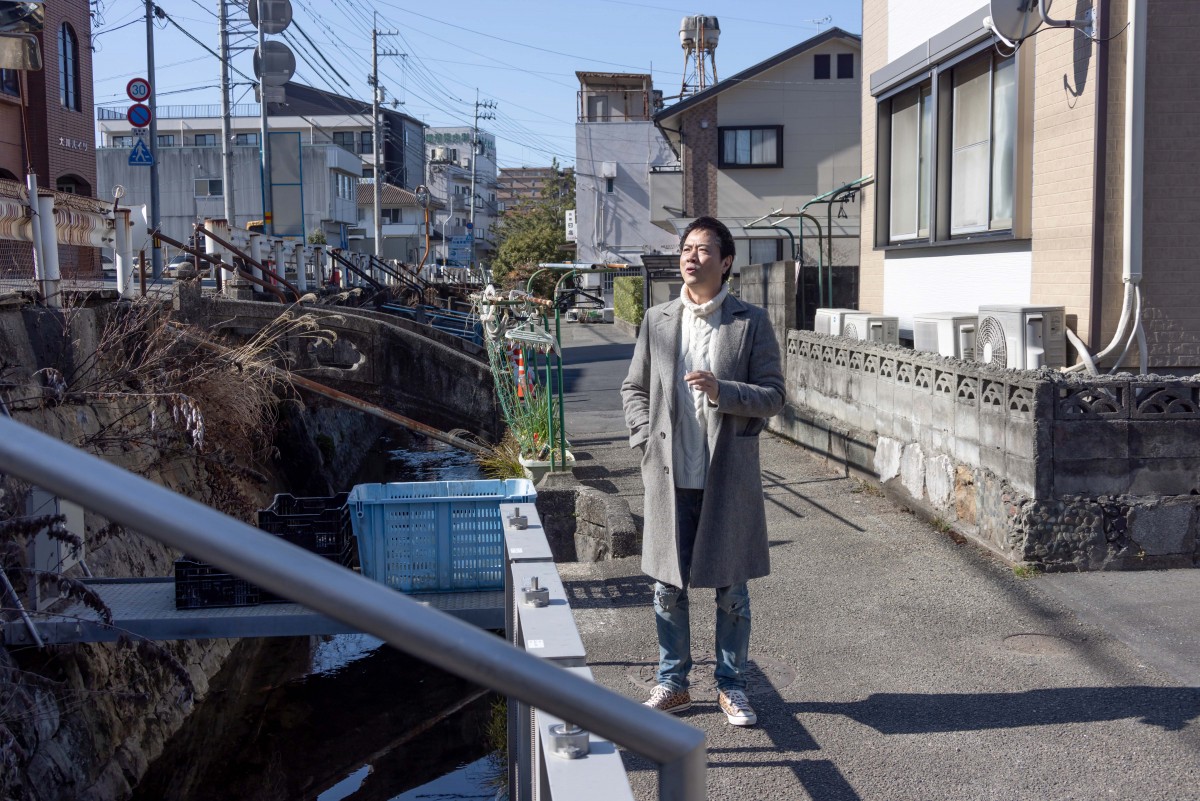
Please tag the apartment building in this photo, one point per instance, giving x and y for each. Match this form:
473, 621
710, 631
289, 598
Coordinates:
1001, 175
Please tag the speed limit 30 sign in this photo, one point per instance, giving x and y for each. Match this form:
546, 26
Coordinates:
138, 89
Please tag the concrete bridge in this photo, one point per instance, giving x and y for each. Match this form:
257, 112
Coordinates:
401, 365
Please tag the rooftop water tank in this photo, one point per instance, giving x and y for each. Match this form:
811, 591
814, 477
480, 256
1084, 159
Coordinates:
690, 27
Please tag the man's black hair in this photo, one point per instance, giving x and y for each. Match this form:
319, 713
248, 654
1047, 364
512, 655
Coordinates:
715, 226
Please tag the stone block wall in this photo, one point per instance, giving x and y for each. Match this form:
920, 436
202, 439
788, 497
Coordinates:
773, 287
1064, 471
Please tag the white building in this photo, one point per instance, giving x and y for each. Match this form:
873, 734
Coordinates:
334, 138
450, 163
616, 148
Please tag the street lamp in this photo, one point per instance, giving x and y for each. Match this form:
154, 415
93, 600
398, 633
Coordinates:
422, 194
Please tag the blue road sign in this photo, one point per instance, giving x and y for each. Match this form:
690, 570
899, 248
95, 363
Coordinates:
138, 115
140, 156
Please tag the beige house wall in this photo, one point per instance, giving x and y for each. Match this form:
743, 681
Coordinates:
874, 57
1064, 172
1171, 224
821, 125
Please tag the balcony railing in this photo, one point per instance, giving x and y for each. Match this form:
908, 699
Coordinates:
183, 112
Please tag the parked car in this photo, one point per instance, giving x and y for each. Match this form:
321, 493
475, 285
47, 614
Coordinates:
108, 268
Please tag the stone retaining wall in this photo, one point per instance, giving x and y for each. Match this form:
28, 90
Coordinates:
1063, 471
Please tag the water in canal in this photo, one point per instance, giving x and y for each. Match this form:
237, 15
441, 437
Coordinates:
342, 718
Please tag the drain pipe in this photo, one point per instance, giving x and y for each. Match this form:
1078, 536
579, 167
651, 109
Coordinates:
1132, 211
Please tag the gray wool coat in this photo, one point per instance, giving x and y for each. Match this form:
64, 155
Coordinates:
731, 541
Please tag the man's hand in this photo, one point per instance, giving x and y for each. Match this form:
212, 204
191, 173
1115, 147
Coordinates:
704, 381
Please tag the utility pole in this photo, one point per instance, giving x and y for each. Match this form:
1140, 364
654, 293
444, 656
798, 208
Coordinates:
156, 244
377, 128
487, 115
268, 208
226, 132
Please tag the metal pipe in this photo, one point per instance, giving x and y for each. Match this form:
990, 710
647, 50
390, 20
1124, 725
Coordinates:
211, 235
35, 232
219, 265
301, 268
351, 267
268, 182
371, 607
51, 276
123, 253
152, 103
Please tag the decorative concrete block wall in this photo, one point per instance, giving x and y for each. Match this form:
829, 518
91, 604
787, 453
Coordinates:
1065, 471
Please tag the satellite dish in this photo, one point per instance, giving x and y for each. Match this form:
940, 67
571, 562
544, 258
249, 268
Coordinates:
1013, 20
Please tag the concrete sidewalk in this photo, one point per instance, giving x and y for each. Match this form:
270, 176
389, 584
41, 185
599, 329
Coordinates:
889, 662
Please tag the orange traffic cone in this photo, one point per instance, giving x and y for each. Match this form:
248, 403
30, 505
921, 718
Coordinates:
520, 372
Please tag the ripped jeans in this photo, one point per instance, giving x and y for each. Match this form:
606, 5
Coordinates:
674, 622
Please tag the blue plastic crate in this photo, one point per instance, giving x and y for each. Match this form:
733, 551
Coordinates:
430, 536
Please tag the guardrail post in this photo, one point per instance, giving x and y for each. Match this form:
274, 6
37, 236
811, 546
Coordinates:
256, 253
51, 276
521, 546
301, 268
123, 253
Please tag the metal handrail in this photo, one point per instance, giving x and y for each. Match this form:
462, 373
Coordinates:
292, 572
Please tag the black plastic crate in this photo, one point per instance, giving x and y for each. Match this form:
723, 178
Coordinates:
203, 586
323, 527
286, 504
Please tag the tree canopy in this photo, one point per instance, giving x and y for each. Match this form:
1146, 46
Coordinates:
533, 231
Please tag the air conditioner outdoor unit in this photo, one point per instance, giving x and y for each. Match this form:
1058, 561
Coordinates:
465, 162
946, 333
871, 327
829, 321
1022, 337
439, 154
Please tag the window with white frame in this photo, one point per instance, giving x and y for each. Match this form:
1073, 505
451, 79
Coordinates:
947, 148
345, 186
120, 141
209, 187
246, 139
765, 251
750, 146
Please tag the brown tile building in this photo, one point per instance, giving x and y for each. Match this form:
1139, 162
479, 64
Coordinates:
516, 184
58, 112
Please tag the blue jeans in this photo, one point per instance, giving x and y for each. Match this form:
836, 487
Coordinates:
674, 623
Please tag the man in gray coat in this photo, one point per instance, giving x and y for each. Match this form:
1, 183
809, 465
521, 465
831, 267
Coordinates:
704, 378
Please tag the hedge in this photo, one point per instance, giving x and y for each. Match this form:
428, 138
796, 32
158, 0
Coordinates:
627, 299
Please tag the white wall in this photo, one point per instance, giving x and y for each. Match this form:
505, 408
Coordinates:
912, 22
615, 227
178, 167
956, 279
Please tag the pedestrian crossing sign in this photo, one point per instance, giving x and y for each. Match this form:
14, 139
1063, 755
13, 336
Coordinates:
140, 156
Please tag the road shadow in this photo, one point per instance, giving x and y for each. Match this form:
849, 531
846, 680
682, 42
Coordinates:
1169, 708
617, 593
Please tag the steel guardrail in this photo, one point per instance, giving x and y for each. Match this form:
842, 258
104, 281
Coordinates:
371, 607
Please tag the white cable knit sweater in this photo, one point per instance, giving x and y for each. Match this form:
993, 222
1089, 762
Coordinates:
696, 421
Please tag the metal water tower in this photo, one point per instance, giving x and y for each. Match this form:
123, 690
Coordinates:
698, 35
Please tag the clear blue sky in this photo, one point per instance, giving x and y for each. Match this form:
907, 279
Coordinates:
523, 54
